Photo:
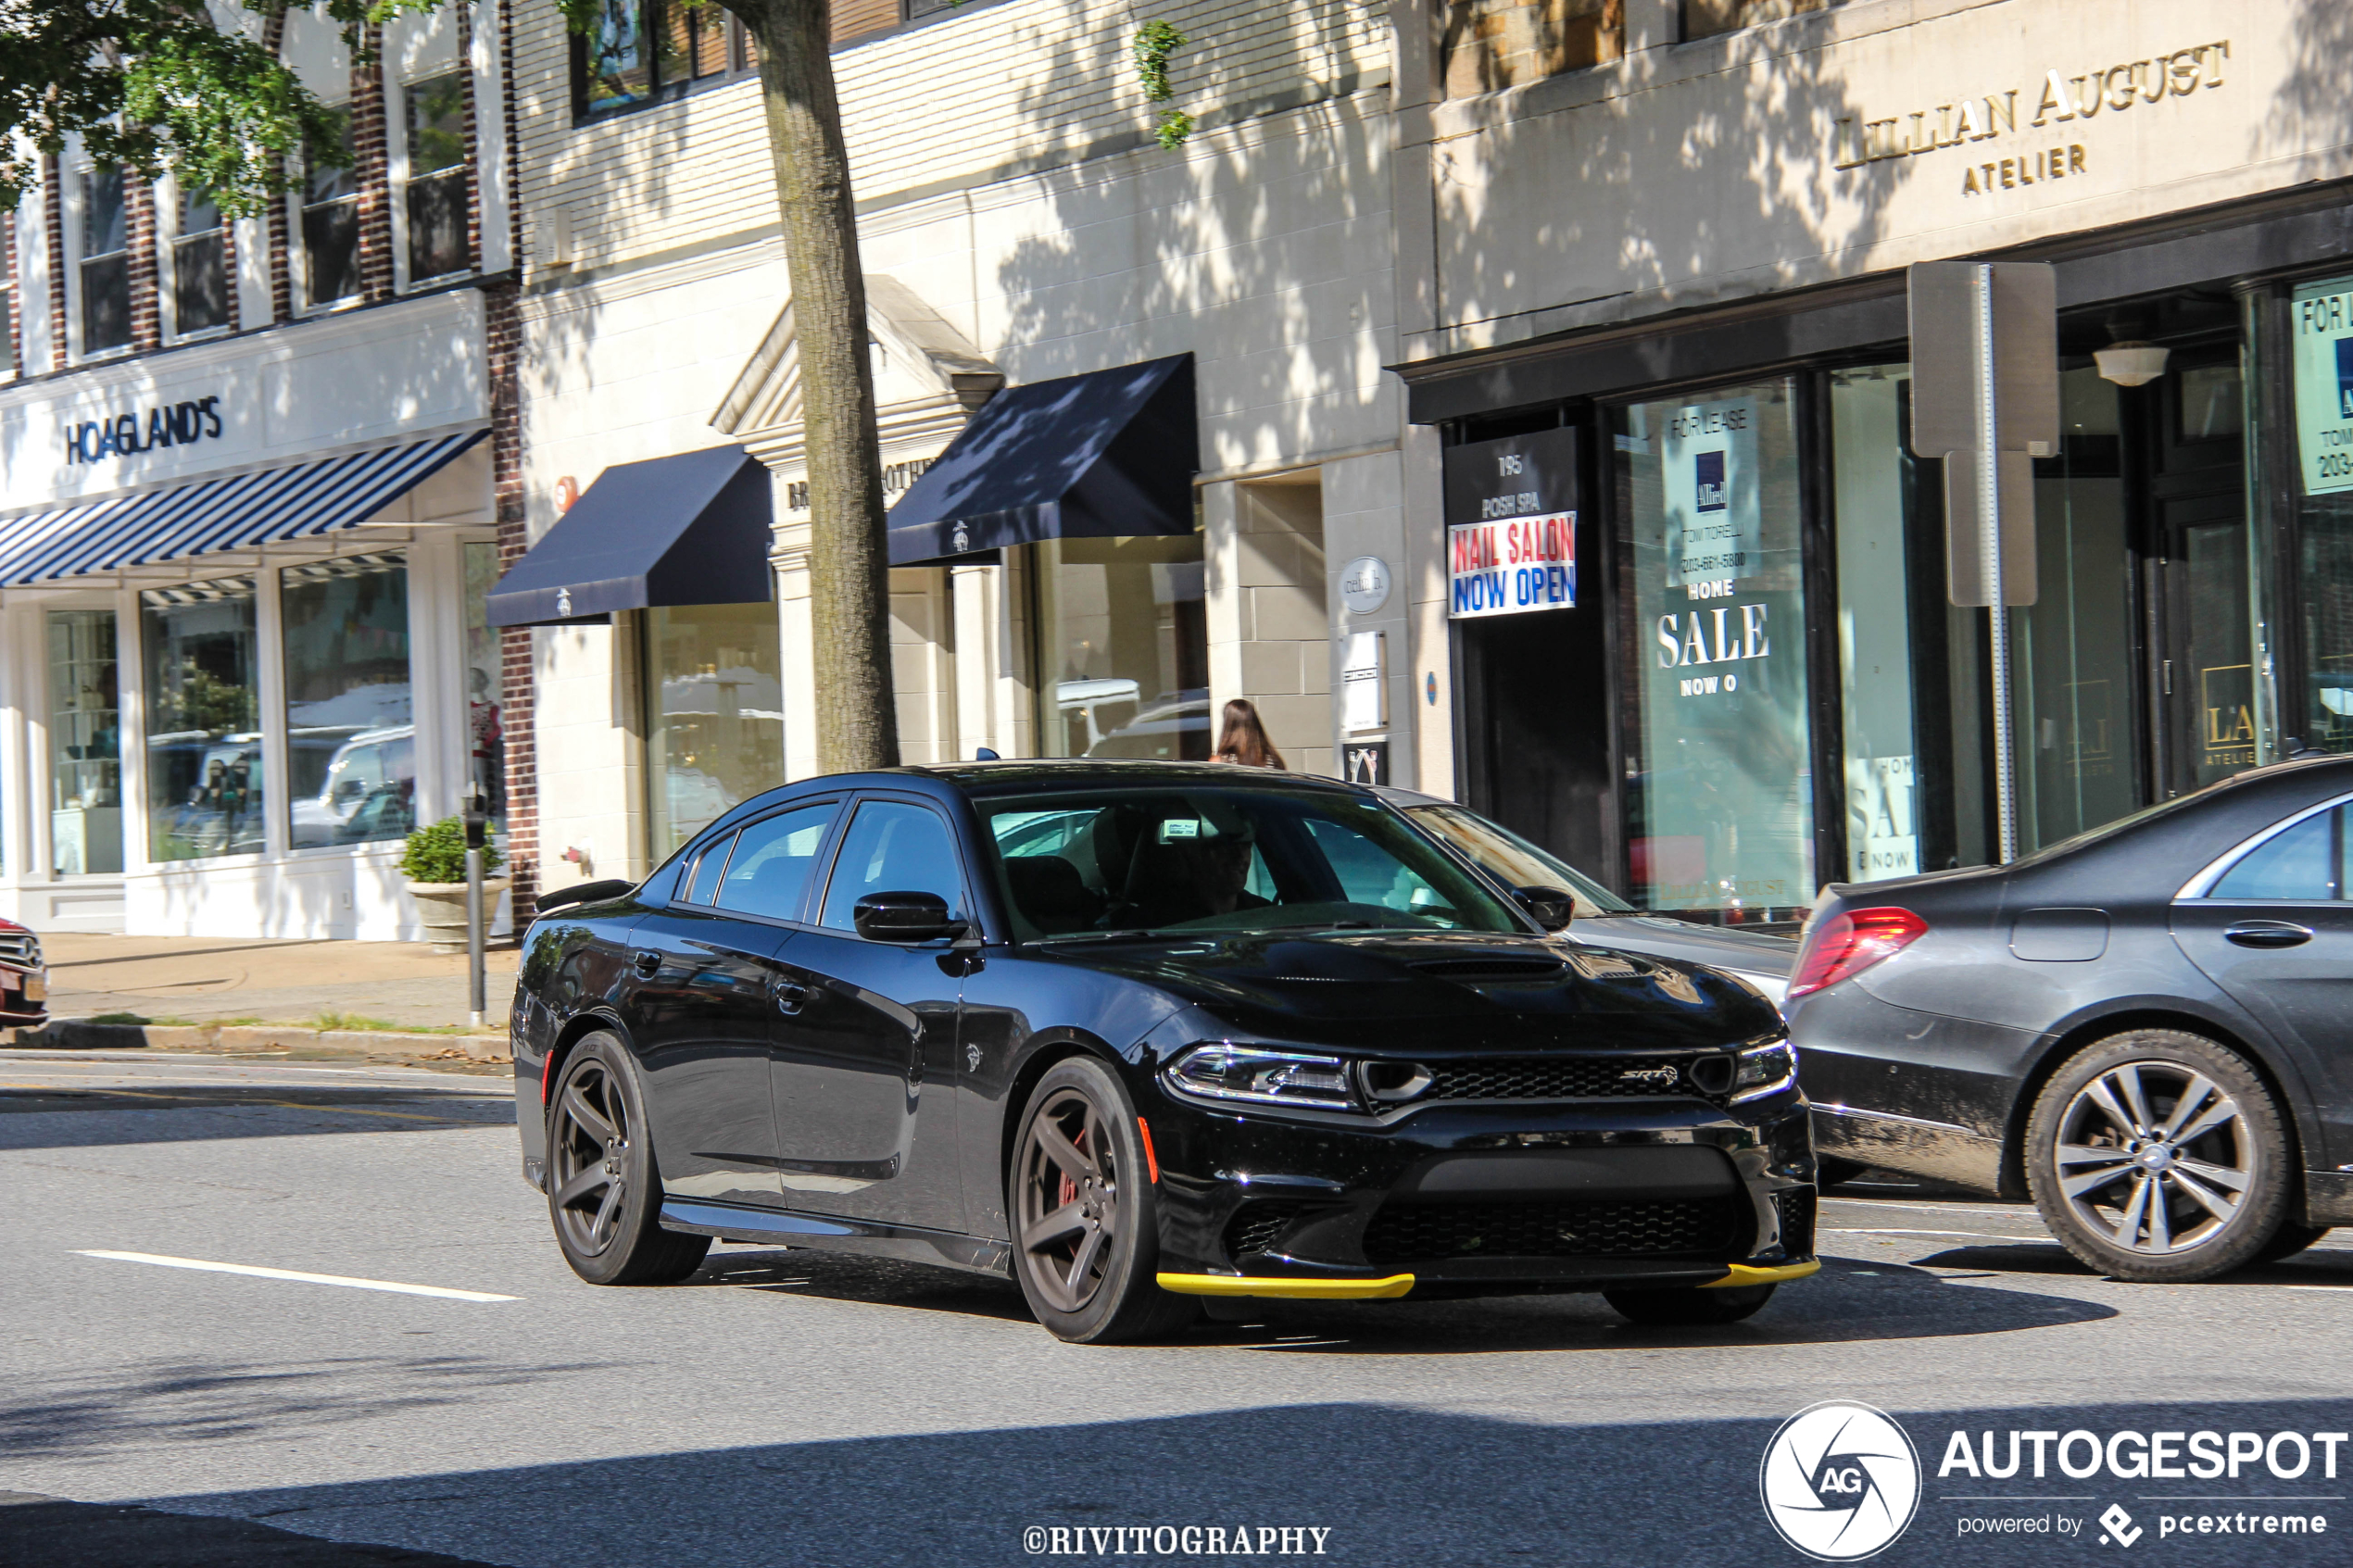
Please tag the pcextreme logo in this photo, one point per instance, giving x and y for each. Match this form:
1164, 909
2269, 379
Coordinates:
1840, 1481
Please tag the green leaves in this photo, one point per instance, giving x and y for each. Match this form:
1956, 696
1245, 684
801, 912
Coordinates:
152, 86
436, 852
1156, 42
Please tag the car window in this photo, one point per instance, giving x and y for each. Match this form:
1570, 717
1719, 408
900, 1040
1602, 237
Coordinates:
1225, 857
707, 869
1514, 859
2306, 863
773, 859
892, 847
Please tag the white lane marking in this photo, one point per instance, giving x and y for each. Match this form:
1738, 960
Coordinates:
1876, 1230
1935, 1208
297, 1276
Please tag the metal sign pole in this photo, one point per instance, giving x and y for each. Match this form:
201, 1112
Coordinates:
1989, 512
476, 925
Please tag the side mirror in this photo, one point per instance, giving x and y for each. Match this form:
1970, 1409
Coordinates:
1552, 907
904, 917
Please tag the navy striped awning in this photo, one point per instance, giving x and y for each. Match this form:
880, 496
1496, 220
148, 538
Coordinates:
204, 516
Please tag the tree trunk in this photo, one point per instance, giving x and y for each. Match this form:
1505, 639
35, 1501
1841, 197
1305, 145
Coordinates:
849, 560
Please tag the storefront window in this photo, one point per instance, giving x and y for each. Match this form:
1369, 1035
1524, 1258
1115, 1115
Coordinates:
1122, 640
1721, 786
2321, 347
85, 751
485, 726
204, 720
351, 747
2072, 651
715, 714
1871, 476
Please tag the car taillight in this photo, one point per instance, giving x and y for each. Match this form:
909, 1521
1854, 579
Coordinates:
1851, 942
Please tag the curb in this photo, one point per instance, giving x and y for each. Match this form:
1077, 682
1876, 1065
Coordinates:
75, 1034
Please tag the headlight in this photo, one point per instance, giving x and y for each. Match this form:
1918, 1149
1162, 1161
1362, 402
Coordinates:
1766, 1070
1245, 1072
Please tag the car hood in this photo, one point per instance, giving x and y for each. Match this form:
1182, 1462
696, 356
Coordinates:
1723, 947
1440, 990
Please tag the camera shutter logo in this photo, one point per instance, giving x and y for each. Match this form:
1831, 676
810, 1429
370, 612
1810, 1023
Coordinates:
1840, 1481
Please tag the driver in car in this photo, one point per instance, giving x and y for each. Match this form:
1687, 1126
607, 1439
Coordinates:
1194, 868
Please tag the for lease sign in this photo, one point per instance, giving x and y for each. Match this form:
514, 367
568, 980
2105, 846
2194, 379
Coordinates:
1510, 565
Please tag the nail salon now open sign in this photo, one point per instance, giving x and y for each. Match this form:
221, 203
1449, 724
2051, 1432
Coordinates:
1511, 525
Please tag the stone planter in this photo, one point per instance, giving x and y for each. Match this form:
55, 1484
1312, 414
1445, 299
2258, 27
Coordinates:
442, 907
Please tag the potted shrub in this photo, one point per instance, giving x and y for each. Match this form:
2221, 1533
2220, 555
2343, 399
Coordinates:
433, 860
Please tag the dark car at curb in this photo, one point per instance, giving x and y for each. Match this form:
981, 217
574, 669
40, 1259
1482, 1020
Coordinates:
1139, 1033
2144, 1029
1599, 916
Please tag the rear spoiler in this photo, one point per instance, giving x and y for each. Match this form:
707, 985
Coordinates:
586, 893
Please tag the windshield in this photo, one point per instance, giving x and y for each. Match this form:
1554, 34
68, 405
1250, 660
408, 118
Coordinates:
1224, 858
1518, 863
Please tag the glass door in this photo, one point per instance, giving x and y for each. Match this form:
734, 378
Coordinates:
86, 750
2205, 675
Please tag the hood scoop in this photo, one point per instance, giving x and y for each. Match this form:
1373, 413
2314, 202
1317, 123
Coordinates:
1489, 967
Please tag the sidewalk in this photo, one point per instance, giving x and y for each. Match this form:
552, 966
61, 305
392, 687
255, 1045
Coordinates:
318, 984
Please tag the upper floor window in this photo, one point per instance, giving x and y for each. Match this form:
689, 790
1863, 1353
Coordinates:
199, 264
438, 176
106, 261
643, 50
330, 222
1705, 19
1492, 44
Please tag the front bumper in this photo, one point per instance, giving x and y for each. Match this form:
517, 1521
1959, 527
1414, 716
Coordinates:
1469, 1199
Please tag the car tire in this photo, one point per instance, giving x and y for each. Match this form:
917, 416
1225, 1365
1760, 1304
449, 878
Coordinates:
604, 1188
2138, 1142
1689, 1305
1084, 1214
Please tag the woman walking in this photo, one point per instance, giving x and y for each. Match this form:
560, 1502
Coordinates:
1242, 738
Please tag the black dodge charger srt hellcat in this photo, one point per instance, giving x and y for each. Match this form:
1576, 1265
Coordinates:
1139, 1033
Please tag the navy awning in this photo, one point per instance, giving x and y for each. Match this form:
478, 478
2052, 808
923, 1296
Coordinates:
204, 516
1107, 455
686, 530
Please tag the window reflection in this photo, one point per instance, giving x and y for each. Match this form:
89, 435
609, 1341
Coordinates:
204, 720
350, 740
85, 748
1124, 638
715, 714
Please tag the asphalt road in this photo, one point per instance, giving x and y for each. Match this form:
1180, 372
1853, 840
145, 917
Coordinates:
799, 1409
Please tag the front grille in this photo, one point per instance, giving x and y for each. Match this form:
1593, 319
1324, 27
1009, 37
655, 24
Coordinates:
1258, 1224
21, 949
1558, 1077
1407, 1232
1795, 1206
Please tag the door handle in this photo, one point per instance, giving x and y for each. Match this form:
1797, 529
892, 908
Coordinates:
646, 961
2268, 933
792, 996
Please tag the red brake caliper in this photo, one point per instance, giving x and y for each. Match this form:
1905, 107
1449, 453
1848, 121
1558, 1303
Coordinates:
1068, 1189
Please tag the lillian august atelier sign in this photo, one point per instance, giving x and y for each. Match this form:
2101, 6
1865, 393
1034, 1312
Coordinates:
2061, 99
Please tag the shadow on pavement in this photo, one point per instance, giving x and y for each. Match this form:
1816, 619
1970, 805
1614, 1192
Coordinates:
2322, 1267
1403, 1485
1847, 1303
37, 1532
76, 1118
169, 1402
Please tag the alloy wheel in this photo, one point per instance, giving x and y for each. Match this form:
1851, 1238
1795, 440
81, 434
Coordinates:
1067, 1185
591, 1147
2153, 1157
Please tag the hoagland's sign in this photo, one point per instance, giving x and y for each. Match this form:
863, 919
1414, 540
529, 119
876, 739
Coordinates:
125, 435
2062, 99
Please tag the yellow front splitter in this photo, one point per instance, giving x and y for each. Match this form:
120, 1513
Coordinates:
1307, 1289
1743, 1275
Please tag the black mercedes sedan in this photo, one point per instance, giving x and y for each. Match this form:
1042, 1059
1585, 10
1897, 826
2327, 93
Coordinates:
2148, 1028
1140, 1033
